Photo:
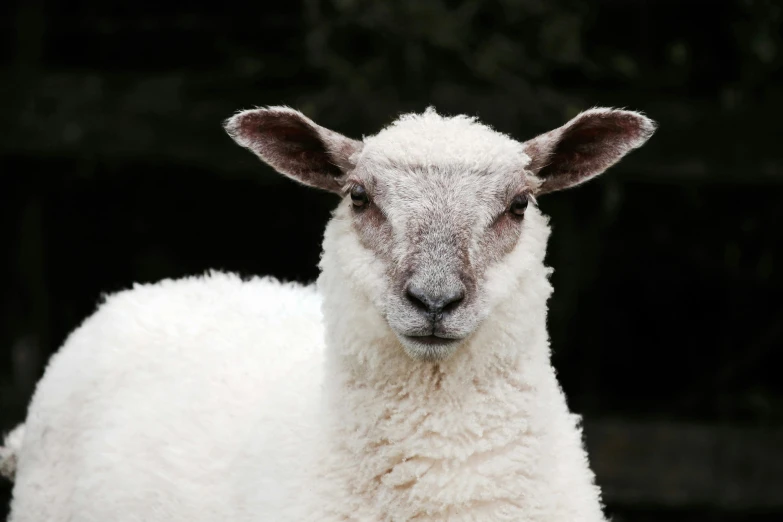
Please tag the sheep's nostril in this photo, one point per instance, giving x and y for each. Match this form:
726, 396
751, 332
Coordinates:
435, 303
453, 301
418, 298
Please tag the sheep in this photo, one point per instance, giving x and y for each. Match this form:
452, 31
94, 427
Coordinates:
411, 382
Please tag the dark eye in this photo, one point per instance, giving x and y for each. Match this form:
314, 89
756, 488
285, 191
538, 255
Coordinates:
359, 196
518, 205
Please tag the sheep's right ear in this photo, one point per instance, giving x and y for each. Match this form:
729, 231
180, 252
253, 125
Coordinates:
295, 146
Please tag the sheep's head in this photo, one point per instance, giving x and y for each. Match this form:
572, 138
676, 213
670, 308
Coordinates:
437, 201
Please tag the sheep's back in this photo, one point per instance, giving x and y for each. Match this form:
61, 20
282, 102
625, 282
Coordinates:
184, 400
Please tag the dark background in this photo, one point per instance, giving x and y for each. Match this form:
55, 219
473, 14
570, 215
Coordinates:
666, 319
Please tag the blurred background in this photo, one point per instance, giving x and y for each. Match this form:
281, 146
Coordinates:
667, 317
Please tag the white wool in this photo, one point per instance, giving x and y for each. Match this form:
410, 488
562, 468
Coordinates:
444, 140
187, 400
9, 450
213, 398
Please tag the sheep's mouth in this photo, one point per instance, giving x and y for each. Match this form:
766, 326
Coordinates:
431, 340
429, 348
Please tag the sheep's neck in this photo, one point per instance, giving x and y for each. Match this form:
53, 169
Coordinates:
408, 427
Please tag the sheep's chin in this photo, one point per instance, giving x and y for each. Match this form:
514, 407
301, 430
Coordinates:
429, 349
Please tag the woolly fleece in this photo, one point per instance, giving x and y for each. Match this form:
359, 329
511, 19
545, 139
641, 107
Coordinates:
9, 450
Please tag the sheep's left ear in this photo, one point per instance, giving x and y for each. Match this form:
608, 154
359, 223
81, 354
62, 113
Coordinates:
585, 146
296, 146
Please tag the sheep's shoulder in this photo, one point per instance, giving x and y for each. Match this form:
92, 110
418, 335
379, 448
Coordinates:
194, 384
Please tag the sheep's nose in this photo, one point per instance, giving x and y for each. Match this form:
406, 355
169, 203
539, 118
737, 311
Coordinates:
435, 303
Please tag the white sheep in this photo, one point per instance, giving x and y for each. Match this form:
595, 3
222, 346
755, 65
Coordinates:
414, 384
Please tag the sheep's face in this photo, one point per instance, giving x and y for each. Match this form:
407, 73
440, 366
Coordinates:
437, 203
437, 206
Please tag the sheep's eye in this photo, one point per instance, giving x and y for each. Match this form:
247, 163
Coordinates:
359, 196
518, 205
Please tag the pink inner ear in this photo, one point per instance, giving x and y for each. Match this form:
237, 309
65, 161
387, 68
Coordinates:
586, 146
302, 145
290, 143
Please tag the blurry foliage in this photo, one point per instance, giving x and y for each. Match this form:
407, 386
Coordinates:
758, 34
474, 56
